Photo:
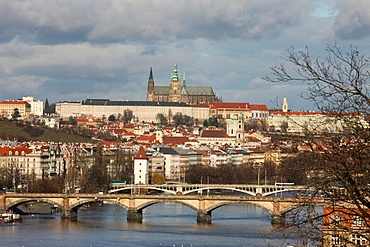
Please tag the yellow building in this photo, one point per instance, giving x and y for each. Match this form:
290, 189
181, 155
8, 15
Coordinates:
7, 108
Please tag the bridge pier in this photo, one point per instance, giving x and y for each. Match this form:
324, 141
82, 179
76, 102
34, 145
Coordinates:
204, 217
134, 215
69, 214
277, 219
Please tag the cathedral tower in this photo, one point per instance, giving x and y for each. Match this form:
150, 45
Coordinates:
175, 87
150, 92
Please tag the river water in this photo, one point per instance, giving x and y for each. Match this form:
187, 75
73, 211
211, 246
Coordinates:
164, 224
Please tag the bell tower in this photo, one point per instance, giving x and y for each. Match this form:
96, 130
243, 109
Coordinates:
174, 94
285, 105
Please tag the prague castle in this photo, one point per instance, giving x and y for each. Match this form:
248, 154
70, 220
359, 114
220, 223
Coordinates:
178, 91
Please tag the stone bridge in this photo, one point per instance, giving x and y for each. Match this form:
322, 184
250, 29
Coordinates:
203, 205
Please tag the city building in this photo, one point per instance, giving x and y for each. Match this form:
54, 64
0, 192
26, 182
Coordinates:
178, 91
37, 106
141, 167
345, 226
141, 110
235, 128
315, 122
8, 107
215, 137
31, 161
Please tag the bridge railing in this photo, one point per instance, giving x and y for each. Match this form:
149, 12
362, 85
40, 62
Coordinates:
200, 188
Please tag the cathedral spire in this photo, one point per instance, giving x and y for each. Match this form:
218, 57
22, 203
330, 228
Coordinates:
151, 74
175, 74
150, 91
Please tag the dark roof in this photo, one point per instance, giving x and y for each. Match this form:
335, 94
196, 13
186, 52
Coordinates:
166, 150
190, 90
131, 103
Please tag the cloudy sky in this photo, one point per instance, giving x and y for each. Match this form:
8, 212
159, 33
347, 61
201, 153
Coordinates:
73, 50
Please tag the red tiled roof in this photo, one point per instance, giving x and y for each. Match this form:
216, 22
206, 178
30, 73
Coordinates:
175, 140
130, 126
298, 113
252, 138
88, 120
14, 102
5, 151
141, 154
258, 107
146, 138
229, 105
217, 133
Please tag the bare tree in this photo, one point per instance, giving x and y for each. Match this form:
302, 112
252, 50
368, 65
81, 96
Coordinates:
339, 163
161, 119
127, 116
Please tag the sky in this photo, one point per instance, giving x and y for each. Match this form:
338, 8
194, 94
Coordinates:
71, 50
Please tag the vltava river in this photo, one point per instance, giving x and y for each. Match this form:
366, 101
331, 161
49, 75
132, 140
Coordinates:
163, 225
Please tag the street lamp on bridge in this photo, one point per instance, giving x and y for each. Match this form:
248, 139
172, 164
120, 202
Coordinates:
258, 166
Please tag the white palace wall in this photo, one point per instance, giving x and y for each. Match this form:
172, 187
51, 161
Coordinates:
142, 112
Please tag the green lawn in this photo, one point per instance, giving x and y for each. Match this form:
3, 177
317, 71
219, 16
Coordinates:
11, 130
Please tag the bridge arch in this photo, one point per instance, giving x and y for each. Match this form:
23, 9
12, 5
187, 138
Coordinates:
26, 200
265, 206
152, 202
113, 191
185, 189
204, 189
74, 206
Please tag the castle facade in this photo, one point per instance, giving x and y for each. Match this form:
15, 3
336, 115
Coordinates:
178, 91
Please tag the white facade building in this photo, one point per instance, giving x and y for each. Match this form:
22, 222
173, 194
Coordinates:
37, 106
142, 110
172, 165
141, 167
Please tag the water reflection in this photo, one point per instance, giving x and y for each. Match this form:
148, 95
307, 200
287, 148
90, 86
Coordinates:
165, 224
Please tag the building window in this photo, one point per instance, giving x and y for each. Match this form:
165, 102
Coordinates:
358, 239
336, 219
358, 221
335, 239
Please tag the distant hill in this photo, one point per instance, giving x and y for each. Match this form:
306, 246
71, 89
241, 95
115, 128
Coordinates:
11, 130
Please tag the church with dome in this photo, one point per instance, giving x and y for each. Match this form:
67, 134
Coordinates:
178, 91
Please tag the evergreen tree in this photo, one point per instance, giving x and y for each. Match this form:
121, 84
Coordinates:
47, 107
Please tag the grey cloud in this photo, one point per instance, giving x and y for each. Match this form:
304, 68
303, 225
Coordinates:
105, 21
68, 49
353, 20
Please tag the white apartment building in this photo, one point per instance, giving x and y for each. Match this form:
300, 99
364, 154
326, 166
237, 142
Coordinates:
172, 164
31, 161
315, 122
37, 106
258, 111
